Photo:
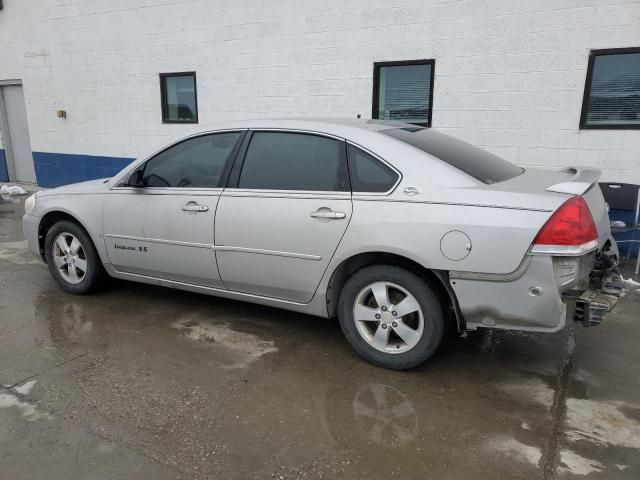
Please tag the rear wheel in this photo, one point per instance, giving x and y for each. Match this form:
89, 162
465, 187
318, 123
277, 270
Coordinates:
72, 258
391, 317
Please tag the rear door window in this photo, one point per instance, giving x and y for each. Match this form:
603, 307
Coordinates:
480, 164
294, 161
369, 174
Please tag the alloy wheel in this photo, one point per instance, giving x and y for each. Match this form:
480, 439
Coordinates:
388, 317
69, 258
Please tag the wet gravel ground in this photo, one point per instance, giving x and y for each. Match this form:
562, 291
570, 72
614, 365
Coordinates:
145, 382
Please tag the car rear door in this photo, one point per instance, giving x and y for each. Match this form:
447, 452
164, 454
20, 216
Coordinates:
164, 229
283, 214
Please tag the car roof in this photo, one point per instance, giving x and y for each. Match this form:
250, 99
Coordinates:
342, 127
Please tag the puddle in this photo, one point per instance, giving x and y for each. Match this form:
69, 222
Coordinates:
18, 253
571, 462
243, 348
384, 415
29, 412
533, 389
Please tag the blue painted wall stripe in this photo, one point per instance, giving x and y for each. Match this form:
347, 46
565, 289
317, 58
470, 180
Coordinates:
4, 173
55, 169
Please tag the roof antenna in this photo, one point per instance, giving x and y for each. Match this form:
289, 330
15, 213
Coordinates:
358, 116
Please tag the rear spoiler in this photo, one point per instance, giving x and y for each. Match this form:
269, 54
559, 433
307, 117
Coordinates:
581, 181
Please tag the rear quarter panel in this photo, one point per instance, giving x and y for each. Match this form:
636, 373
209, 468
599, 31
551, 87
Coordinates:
500, 237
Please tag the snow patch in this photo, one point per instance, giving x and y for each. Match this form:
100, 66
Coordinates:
631, 284
602, 423
25, 388
578, 465
244, 348
29, 412
517, 450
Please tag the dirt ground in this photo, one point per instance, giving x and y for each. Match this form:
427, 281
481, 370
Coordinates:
146, 382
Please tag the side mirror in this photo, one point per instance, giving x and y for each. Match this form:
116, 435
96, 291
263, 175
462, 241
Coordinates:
136, 179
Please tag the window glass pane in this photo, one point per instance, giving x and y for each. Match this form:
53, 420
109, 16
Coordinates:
369, 174
180, 98
480, 164
194, 163
293, 161
614, 98
403, 93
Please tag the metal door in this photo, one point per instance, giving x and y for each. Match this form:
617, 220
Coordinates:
16, 135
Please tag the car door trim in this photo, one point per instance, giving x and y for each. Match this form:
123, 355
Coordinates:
259, 251
222, 248
168, 191
300, 194
158, 240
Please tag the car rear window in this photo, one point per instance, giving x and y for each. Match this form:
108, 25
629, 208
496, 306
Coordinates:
480, 164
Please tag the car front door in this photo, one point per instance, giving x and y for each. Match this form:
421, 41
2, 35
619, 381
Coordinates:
164, 227
283, 214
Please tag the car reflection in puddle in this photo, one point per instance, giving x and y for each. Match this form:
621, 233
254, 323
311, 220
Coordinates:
384, 415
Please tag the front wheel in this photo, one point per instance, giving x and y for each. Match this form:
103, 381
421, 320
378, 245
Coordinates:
391, 317
72, 258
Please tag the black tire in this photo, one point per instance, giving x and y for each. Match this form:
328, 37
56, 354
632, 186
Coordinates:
94, 275
427, 299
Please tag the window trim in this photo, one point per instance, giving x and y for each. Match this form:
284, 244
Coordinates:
358, 193
163, 96
375, 113
587, 90
234, 177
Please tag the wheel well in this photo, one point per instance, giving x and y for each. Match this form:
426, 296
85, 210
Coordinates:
436, 279
48, 221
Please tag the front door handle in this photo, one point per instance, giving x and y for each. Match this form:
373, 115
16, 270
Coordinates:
326, 213
194, 207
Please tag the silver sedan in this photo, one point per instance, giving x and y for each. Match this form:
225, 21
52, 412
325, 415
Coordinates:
401, 232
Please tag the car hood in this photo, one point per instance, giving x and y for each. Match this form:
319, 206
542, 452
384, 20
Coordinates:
81, 188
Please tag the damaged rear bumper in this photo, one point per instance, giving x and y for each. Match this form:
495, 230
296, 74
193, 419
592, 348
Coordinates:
535, 297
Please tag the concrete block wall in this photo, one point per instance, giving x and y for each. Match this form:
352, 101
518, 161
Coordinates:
509, 75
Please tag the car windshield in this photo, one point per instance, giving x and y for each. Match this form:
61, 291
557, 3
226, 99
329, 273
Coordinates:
480, 164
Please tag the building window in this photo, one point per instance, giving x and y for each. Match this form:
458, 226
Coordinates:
612, 89
403, 91
179, 98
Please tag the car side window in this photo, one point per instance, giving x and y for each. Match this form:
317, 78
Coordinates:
369, 174
195, 163
294, 161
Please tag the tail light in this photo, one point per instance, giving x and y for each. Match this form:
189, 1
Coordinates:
569, 231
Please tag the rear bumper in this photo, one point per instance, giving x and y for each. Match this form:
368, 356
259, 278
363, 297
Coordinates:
535, 296
530, 298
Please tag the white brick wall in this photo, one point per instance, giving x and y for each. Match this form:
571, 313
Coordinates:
509, 74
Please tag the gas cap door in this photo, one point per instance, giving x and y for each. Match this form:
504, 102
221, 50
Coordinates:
455, 245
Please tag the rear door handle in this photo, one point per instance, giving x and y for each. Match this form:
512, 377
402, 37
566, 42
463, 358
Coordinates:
194, 207
330, 214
